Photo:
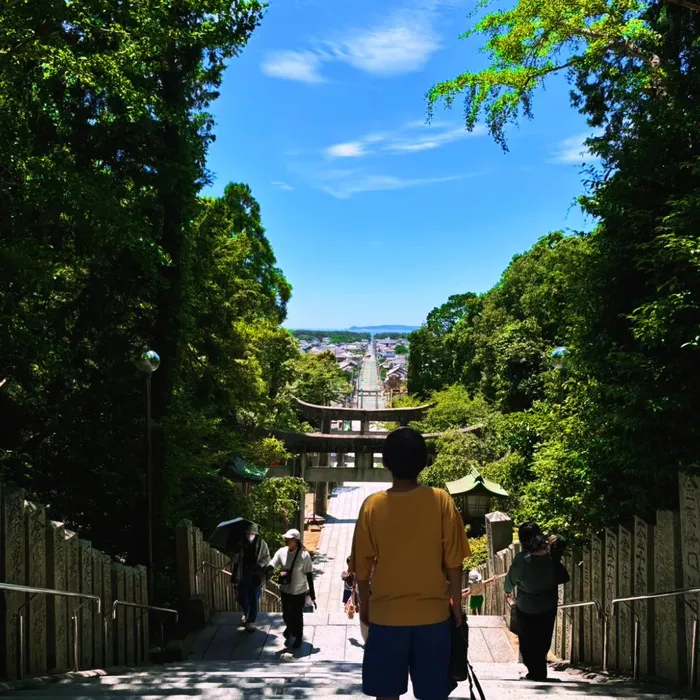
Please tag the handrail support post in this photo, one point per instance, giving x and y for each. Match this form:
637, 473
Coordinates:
635, 649
605, 642
694, 653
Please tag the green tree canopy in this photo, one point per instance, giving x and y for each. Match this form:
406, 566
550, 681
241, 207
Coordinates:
319, 379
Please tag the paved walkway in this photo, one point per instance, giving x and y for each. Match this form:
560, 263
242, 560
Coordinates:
336, 542
369, 381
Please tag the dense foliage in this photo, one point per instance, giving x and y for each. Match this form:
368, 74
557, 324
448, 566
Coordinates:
607, 438
319, 379
108, 248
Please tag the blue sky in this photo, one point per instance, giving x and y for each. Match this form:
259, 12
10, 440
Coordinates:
376, 217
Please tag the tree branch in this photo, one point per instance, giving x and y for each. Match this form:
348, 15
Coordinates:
627, 46
688, 4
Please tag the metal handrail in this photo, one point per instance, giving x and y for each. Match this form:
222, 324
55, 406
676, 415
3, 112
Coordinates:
144, 608
141, 606
580, 604
583, 604
19, 588
228, 573
34, 590
635, 651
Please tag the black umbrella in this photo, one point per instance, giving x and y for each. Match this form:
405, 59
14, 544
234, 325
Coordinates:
229, 534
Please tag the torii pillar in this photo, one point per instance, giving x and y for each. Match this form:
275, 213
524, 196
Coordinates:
302, 499
321, 497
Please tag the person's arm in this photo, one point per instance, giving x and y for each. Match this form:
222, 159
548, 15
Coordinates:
513, 576
274, 563
308, 570
557, 545
263, 556
312, 591
362, 559
561, 573
455, 550
466, 592
454, 576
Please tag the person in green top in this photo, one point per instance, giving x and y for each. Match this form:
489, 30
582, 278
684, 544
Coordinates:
534, 576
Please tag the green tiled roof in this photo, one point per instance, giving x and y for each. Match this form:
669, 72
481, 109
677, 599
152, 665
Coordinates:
472, 481
248, 471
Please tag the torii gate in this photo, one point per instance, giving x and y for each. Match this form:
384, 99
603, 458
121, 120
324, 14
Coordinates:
363, 444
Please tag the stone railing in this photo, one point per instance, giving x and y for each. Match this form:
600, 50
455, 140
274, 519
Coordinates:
39, 628
204, 581
633, 559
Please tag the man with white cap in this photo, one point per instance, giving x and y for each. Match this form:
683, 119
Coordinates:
296, 582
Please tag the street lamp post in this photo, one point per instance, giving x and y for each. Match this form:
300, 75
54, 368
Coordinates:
148, 363
559, 358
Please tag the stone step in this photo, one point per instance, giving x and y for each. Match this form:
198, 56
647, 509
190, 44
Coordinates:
327, 637
239, 680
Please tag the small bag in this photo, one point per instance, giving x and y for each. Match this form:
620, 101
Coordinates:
512, 615
350, 606
285, 577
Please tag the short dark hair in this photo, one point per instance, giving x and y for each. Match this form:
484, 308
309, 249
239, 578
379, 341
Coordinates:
531, 537
405, 453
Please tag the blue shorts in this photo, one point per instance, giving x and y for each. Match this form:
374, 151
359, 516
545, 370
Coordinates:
391, 652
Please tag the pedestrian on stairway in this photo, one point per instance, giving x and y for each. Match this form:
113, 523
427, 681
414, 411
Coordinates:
536, 575
296, 582
349, 586
415, 539
249, 570
475, 592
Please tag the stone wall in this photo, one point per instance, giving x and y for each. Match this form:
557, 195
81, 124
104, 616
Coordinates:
39, 630
204, 584
632, 559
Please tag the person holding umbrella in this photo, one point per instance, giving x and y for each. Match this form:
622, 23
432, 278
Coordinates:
296, 582
251, 560
250, 557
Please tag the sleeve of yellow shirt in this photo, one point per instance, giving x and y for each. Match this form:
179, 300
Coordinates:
363, 550
455, 541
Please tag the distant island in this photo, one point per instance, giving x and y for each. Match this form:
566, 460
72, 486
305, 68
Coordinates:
374, 330
354, 334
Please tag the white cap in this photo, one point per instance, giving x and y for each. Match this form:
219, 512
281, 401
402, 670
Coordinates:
292, 535
474, 576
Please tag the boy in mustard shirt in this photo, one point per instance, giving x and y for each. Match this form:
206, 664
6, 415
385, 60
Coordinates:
414, 538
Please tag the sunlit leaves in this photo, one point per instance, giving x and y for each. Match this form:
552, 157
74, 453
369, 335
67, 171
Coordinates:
535, 39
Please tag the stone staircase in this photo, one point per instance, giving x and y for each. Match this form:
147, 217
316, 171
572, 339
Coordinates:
226, 663
246, 680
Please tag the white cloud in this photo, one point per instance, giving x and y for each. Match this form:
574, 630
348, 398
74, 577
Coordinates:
293, 65
433, 137
345, 188
282, 185
572, 151
411, 138
402, 46
351, 149
401, 43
